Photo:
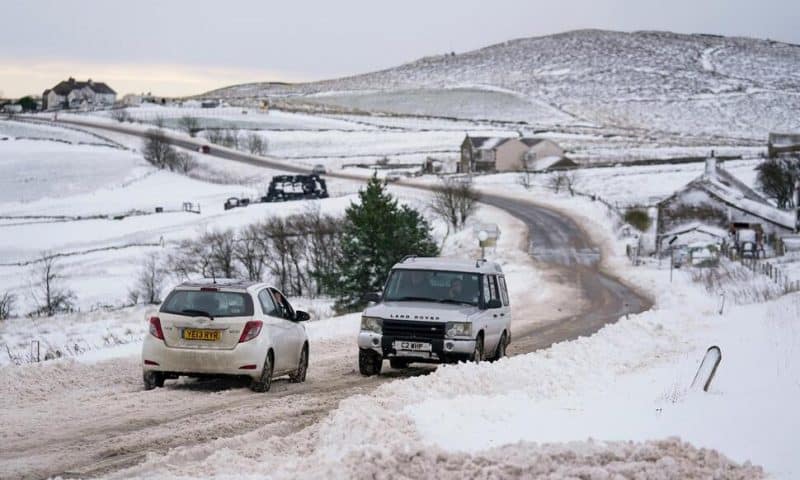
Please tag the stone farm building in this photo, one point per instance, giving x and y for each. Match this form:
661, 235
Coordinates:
714, 205
73, 94
505, 154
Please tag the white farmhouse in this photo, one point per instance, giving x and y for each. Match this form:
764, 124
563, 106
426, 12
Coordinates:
73, 94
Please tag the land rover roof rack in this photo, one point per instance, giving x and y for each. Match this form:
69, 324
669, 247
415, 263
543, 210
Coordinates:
408, 257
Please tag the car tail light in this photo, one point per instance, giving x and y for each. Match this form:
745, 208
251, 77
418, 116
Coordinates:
209, 289
250, 331
251, 366
150, 362
155, 328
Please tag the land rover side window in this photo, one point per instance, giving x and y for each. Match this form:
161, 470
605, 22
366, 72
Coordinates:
267, 304
490, 291
432, 286
503, 290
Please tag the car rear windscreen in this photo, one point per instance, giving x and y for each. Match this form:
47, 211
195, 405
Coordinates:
195, 303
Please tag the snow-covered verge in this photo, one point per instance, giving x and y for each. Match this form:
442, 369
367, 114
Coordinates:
611, 404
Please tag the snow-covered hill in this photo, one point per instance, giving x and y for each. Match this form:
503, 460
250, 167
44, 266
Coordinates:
659, 81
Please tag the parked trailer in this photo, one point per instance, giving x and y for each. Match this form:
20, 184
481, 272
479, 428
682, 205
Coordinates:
295, 187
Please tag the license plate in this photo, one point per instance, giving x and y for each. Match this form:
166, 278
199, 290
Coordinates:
197, 334
413, 346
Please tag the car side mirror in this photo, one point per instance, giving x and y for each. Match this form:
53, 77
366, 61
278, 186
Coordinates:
301, 316
373, 297
493, 303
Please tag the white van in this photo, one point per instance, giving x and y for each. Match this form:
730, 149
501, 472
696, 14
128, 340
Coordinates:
436, 310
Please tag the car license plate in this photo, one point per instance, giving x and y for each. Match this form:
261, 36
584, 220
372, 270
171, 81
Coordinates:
197, 334
413, 346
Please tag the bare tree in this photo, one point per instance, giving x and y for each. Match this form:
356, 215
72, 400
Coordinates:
150, 282
214, 136
223, 259
48, 294
7, 301
571, 179
189, 124
183, 162
190, 258
248, 251
121, 115
563, 179
256, 144
230, 138
454, 202
157, 149
526, 177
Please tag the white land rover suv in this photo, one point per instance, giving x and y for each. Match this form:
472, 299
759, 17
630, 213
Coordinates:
226, 327
436, 310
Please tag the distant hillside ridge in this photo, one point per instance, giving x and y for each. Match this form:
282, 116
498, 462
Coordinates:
660, 80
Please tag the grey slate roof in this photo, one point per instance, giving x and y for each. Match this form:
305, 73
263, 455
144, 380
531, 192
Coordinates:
66, 86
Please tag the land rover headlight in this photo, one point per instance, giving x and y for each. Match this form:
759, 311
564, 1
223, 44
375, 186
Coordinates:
459, 329
371, 324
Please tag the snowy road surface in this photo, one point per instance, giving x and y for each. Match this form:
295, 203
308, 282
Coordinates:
117, 423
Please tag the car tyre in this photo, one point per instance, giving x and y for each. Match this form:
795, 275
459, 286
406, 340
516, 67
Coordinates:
370, 362
264, 382
299, 375
477, 354
153, 380
398, 363
501, 348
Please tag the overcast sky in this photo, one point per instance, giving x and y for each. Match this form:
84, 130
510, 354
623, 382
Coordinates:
182, 47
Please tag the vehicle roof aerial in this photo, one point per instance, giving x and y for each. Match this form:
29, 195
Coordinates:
449, 264
234, 283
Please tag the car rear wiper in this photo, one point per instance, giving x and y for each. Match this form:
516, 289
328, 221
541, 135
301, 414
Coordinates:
197, 313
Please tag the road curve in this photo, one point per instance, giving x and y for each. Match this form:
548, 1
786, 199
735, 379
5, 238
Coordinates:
130, 429
555, 240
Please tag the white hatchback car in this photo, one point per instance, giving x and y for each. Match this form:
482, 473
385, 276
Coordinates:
226, 328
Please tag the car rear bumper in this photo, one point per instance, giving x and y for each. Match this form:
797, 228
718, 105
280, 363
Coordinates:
186, 361
442, 350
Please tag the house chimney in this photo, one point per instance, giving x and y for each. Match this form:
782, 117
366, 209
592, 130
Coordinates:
711, 168
71, 80
89, 81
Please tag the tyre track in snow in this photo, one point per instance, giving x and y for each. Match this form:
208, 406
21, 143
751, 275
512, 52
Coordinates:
128, 424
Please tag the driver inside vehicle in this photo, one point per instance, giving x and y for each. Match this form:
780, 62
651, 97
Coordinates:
456, 290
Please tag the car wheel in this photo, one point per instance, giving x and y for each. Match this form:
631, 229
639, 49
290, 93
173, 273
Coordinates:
477, 354
398, 363
299, 375
501, 348
262, 383
153, 380
370, 362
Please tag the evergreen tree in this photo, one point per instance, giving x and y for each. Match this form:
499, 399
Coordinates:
377, 234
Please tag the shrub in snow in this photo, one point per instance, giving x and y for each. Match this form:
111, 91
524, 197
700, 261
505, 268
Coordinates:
7, 300
189, 124
639, 219
776, 178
